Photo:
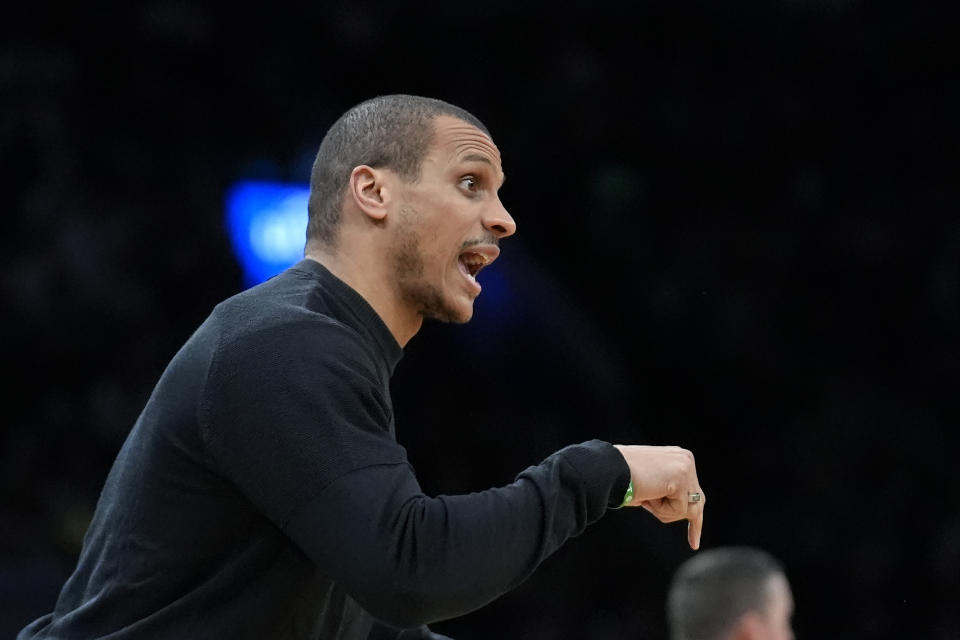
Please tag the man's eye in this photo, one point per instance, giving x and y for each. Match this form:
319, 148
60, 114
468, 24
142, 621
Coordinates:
469, 183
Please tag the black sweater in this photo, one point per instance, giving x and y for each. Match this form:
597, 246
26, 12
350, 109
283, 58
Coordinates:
262, 493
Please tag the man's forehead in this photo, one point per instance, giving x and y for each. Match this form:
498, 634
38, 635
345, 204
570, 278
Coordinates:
463, 141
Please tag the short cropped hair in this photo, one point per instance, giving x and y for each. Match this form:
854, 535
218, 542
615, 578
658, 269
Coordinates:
392, 131
712, 590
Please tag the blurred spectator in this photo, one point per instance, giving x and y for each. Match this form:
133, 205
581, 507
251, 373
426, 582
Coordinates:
730, 593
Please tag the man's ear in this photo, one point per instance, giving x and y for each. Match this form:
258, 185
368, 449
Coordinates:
369, 191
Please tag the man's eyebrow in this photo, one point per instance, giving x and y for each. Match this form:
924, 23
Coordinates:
476, 157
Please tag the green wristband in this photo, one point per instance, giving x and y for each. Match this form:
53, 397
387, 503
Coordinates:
628, 496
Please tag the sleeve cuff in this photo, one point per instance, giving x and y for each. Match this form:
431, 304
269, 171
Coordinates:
603, 470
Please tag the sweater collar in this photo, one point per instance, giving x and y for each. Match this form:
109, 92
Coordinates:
370, 322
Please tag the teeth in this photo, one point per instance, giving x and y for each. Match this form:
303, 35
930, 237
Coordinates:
472, 263
475, 258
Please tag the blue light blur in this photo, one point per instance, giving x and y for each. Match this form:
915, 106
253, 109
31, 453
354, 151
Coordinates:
267, 224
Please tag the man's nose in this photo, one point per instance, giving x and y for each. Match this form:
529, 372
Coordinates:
499, 221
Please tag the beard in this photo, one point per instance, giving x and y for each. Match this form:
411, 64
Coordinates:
409, 267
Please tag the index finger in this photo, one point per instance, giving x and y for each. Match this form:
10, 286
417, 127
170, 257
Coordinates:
695, 522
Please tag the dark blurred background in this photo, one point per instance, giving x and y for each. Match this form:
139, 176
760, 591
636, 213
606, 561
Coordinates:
738, 232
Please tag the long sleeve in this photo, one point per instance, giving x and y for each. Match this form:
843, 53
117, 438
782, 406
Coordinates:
410, 559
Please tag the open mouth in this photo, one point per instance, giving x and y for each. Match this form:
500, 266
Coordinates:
471, 263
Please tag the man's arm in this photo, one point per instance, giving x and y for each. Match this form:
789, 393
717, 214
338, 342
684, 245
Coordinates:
409, 559
298, 422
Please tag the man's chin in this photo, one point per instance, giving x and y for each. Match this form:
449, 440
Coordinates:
433, 305
464, 318
451, 316
452, 313
462, 313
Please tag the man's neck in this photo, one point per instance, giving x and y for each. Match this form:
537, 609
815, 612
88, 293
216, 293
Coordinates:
373, 285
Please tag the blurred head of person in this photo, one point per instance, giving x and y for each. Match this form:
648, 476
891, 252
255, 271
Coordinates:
730, 593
